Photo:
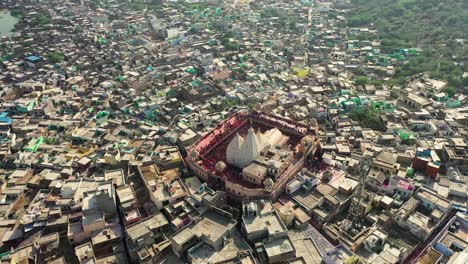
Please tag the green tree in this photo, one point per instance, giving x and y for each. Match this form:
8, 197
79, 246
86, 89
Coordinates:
361, 80
231, 46
78, 29
18, 12
450, 91
229, 34
368, 118
426, 24
465, 82
56, 57
42, 19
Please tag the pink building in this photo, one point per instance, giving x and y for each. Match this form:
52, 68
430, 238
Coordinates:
252, 155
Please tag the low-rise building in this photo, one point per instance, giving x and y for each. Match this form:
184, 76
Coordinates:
144, 239
261, 221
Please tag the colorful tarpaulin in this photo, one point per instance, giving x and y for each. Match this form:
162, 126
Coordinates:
195, 83
102, 114
301, 73
34, 144
191, 71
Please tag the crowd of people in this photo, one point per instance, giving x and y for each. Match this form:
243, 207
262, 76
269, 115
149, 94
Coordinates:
222, 130
316, 166
281, 122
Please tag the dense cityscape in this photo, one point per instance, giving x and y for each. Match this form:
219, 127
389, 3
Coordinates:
235, 131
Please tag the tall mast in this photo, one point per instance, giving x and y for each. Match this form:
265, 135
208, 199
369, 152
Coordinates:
356, 210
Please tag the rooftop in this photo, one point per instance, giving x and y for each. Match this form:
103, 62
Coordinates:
85, 253
106, 234
148, 225
116, 176
305, 247
126, 195
278, 247
260, 216
229, 252
212, 226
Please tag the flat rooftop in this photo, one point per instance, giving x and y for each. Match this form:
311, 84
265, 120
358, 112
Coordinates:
229, 252
266, 218
418, 99
116, 176
306, 198
451, 238
212, 226
175, 188
126, 194
93, 217
431, 257
170, 153
145, 226
106, 234
278, 247
83, 251
306, 249
118, 258
150, 172
322, 245
433, 198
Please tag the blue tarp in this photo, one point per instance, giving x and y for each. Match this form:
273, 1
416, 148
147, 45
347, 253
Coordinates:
5, 119
33, 58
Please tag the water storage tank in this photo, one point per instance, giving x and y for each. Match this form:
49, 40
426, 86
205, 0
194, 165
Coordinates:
286, 214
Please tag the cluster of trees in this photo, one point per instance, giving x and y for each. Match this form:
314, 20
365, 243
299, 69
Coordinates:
78, 29
427, 24
138, 5
361, 80
450, 91
439, 68
270, 12
42, 19
368, 117
18, 12
286, 20
56, 57
95, 3
227, 41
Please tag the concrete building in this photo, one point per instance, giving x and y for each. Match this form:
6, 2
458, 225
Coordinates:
260, 221
213, 228
146, 238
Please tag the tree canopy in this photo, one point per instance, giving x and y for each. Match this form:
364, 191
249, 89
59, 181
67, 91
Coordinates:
368, 118
428, 24
361, 80
56, 57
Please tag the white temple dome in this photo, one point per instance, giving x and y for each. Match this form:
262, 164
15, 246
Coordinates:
242, 151
220, 166
194, 153
250, 148
268, 182
233, 151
